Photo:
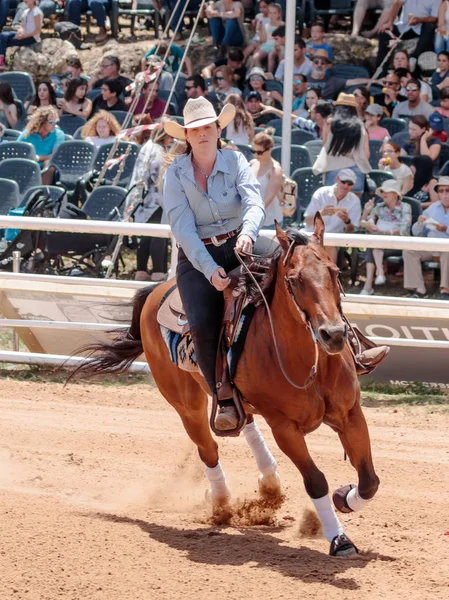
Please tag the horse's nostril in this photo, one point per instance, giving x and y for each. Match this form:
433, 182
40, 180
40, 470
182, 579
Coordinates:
333, 334
325, 336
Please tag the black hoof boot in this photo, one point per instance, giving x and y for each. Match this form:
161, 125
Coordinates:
339, 498
341, 545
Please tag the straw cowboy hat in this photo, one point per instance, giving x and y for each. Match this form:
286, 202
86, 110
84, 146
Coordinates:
320, 53
346, 100
198, 112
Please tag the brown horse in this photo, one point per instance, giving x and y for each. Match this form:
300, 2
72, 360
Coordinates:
310, 332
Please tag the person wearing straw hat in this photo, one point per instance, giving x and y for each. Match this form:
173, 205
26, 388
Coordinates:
213, 204
390, 217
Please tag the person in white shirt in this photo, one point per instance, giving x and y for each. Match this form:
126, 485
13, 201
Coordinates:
339, 207
433, 223
28, 33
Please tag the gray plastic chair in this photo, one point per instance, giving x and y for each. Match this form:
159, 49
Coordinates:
393, 125
314, 148
307, 183
401, 138
103, 154
22, 84
299, 137
299, 157
10, 135
17, 150
375, 153
106, 203
21, 170
73, 159
379, 176
70, 123
9, 195
54, 192
120, 115
246, 150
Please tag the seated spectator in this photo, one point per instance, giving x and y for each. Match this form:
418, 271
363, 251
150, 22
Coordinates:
359, 15
417, 19
28, 33
109, 69
42, 132
433, 223
149, 103
316, 124
442, 32
45, 96
261, 114
390, 217
98, 8
75, 68
317, 35
48, 8
424, 182
241, 129
223, 83
234, 60
75, 101
414, 105
405, 75
391, 93
422, 141
436, 123
172, 60
301, 64
443, 109
109, 97
266, 35
338, 205
277, 54
440, 79
226, 22
363, 98
268, 173
195, 87
165, 78
8, 109
373, 116
256, 83
345, 144
260, 20
299, 95
102, 128
390, 162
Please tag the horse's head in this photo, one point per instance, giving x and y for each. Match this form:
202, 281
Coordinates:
312, 283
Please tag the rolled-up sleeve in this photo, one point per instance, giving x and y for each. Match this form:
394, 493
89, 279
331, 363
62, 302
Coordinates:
183, 224
253, 209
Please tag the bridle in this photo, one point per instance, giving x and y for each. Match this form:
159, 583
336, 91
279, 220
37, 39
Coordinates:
305, 318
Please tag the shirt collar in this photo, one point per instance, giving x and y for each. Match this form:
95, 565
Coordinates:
220, 165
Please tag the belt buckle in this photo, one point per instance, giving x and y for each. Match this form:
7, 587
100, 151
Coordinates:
216, 242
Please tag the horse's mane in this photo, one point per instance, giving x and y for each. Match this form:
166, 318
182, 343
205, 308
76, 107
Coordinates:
300, 238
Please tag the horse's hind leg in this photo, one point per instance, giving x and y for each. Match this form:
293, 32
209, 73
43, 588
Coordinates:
355, 439
269, 482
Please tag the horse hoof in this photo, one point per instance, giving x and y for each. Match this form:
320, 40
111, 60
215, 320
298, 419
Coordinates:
217, 499
339, 498
270, 485
341, 545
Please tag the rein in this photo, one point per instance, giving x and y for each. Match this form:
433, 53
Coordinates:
313, 371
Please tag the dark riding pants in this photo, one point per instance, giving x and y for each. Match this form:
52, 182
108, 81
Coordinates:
204, 305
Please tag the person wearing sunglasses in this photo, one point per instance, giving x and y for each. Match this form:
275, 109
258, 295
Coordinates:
414, 105
391, 93
256, 83
223, 83
268, 173
43, 133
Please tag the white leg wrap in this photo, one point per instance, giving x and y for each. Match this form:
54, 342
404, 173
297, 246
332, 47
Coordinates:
217, 480
328, 517
264, 459
355, 501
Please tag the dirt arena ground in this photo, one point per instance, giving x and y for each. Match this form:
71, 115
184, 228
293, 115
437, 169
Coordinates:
102, 497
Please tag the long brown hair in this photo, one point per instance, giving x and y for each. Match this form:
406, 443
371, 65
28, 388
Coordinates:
421, 122
242, 114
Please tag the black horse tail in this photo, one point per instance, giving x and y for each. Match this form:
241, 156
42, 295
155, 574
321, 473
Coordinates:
117, 355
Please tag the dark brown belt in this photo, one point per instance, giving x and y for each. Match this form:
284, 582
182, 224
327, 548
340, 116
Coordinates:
218, 240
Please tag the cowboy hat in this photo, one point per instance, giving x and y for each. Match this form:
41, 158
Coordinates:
441, 181
256, 71
320, 53
198, 112
346, 100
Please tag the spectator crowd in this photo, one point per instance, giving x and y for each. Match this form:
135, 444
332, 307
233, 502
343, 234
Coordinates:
370, 142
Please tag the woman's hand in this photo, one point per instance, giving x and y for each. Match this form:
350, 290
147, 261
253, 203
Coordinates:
244, 244
219, 279
427, 135
441, 227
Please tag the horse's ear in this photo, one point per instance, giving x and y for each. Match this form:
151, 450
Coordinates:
318, 232
282, 237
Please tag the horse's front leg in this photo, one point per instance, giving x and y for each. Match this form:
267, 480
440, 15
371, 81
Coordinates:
269, 482
355, 439
291, 441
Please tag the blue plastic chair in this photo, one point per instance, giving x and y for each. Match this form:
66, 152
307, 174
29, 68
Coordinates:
22, 84
73, 159
17, 150
106, 203
299, 157
70, 123
9, 195
26, 173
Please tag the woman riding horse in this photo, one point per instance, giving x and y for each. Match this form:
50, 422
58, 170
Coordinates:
214, 207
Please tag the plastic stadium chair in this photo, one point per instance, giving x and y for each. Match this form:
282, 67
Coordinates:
336, 7
164, 94
73, 159
299, 137
307, 183
378, 176
92, 94
26, 173
277, 125
70, 123
22, 84
103, 154
17, 150
106, 203
350, 71
10, 135
375, 153
314, 148
9, 195
120, 115
55, 192
394, 125
401, 138
444, 154
77, 134
246, 150
299, 157
272, 85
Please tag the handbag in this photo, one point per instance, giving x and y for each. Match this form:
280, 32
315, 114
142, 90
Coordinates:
288, 196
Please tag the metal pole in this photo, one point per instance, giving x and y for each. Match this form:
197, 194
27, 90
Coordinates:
16, 259
290, 28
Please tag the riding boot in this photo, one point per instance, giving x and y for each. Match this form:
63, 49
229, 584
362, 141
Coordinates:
369, 359
227, 417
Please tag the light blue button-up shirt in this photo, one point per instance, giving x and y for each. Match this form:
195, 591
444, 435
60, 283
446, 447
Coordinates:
232, 200
435, 211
